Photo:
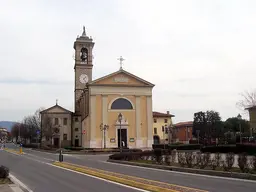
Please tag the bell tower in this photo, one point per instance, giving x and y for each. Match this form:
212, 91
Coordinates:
83, 64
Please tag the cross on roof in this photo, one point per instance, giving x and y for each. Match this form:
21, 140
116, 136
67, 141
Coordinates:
56, 101
121, 59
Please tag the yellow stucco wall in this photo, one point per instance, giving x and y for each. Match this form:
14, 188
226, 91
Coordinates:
161, 122
129, 115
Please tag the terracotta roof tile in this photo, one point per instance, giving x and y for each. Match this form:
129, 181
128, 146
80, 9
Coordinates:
186, 123
159, 114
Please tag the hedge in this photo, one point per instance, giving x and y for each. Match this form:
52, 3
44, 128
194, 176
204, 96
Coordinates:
4, 172
131, 155
238, 148
177, 147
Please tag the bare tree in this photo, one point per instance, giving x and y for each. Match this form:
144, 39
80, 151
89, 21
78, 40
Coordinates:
15, 131
48, 128
248, 100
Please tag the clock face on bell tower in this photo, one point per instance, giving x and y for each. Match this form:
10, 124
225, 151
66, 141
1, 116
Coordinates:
83, 63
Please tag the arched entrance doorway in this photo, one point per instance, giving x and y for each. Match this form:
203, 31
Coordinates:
156, 139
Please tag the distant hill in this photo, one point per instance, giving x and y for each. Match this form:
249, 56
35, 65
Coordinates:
7, 124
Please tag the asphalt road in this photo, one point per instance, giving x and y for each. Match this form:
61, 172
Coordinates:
194, 181
41, 177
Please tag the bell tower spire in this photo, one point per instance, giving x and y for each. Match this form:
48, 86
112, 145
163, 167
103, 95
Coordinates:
83, 46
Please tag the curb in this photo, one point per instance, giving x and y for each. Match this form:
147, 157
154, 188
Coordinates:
19, 186
246, 176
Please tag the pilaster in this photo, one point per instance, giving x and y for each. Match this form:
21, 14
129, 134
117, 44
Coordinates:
105, 118
92, 120
149, 121
138, 122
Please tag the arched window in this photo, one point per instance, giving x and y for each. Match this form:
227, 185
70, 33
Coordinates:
121, 103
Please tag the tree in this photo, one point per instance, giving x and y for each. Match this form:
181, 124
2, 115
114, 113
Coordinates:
48, 128
15, 131
248, 100
208, 123
232, 124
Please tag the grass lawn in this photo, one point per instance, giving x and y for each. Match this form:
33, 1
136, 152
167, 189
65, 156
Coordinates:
234, 169
5, 181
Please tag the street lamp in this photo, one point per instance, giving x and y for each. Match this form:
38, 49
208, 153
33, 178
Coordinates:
239, 117
120, 139
104, 128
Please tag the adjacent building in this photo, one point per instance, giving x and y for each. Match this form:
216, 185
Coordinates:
3, 134
160, 123
183, 131
252, 116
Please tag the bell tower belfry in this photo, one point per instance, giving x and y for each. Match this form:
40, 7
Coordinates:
83, 64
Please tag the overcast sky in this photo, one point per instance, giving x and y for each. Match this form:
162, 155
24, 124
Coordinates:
200, 54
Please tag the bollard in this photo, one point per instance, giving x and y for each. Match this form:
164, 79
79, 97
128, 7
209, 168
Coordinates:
21, 148
60, 156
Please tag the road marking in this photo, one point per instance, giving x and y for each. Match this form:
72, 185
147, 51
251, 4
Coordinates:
182, 173
29, 154
81, 174
24, 187
99, 178
133, 178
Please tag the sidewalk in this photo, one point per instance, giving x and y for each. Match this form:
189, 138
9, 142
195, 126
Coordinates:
10, 188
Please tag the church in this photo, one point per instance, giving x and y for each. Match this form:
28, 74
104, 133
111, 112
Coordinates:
111, 111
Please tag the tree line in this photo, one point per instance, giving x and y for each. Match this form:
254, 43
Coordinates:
30, 129
210, 125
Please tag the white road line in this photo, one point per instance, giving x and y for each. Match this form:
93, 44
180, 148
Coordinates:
18, 182
183, 173
85, 175
101, 179
41, 157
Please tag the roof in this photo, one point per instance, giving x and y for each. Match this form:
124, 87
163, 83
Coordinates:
252, 107
56, 106
118, 72
159, 114
184, 124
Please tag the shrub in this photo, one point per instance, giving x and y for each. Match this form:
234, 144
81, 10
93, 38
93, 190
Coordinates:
158, 154
253, 163
190, 159
173, 156
228, 161
4, 172
204, 160
177, 146
181, 159
237, 149
198, 159
243, 162
219, 149
215, 161
128, 156
167, 157
74, 148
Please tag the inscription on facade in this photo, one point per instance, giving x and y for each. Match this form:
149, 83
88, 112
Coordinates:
121, 79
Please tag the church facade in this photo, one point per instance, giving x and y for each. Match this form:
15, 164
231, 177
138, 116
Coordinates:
110, 111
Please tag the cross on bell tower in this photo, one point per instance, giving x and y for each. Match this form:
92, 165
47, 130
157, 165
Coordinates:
121, 59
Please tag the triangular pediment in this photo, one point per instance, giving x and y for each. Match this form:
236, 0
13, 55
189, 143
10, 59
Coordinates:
56, 109
121, 77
